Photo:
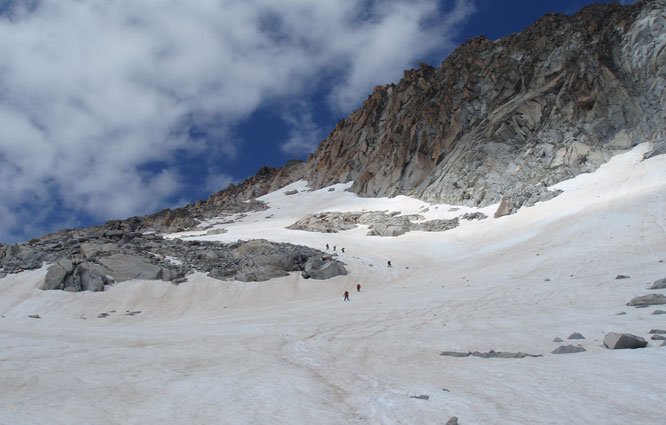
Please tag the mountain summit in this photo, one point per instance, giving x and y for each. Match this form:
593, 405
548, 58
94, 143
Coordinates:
499, 117
289, 299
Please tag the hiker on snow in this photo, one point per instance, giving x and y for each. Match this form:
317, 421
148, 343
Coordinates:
358, 288
389, 263
326, 246
346, 298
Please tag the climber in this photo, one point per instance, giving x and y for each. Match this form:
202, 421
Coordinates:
346, 298
389, 263
327, 247
358, 288
334, 247
343, 250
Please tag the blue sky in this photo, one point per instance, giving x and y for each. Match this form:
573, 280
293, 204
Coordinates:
114, 108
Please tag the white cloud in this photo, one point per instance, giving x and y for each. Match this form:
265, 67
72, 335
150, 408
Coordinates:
304, 134
217, 182
91, 92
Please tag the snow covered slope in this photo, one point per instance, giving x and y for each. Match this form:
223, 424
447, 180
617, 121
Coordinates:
290, 351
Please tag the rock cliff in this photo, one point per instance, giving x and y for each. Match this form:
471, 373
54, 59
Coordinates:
498, 117
497, 121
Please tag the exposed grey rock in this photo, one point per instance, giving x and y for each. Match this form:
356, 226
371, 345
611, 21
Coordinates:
659, 284
2, 274
473, 216
89, 250
616, 341
326, 271
558, 339
659, 312
648, 300
436, 225
568, 349
488, 355
456, 353
56, 274
622, 313
291, 192
93, 277
34, 316
657, 149
216, 232
525, 198
621, 276
576, 335
657, 331
453, 420
421, 397
658, 337
379, 223
125, 267
532, 108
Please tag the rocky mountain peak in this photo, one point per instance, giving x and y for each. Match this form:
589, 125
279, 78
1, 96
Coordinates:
500, 117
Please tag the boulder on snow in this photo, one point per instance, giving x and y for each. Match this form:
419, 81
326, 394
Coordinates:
622, 276
657, 331
576, 335
659, 312
420, 397
659, 284
56, 274
453, 420
616, 341
646, 300
93, 277
568, 349
327, 270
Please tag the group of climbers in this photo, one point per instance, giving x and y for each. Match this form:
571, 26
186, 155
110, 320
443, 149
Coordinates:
345, 296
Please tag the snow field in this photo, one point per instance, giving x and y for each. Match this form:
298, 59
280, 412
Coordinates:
290, 351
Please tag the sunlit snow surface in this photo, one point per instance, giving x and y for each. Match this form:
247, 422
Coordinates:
290, 351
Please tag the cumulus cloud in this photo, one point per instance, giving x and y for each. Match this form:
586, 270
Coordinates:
216, 182
304, 134
93, 94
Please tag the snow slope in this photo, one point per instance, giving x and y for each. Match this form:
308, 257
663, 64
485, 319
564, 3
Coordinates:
290, 351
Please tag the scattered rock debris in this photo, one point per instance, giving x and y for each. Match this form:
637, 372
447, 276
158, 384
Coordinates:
489, 354
568, 349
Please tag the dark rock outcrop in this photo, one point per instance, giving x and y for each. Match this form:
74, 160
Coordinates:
659, 284
88, 259
492, 354
235, 199
616, 341
647, 300
568, 349
379, 223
